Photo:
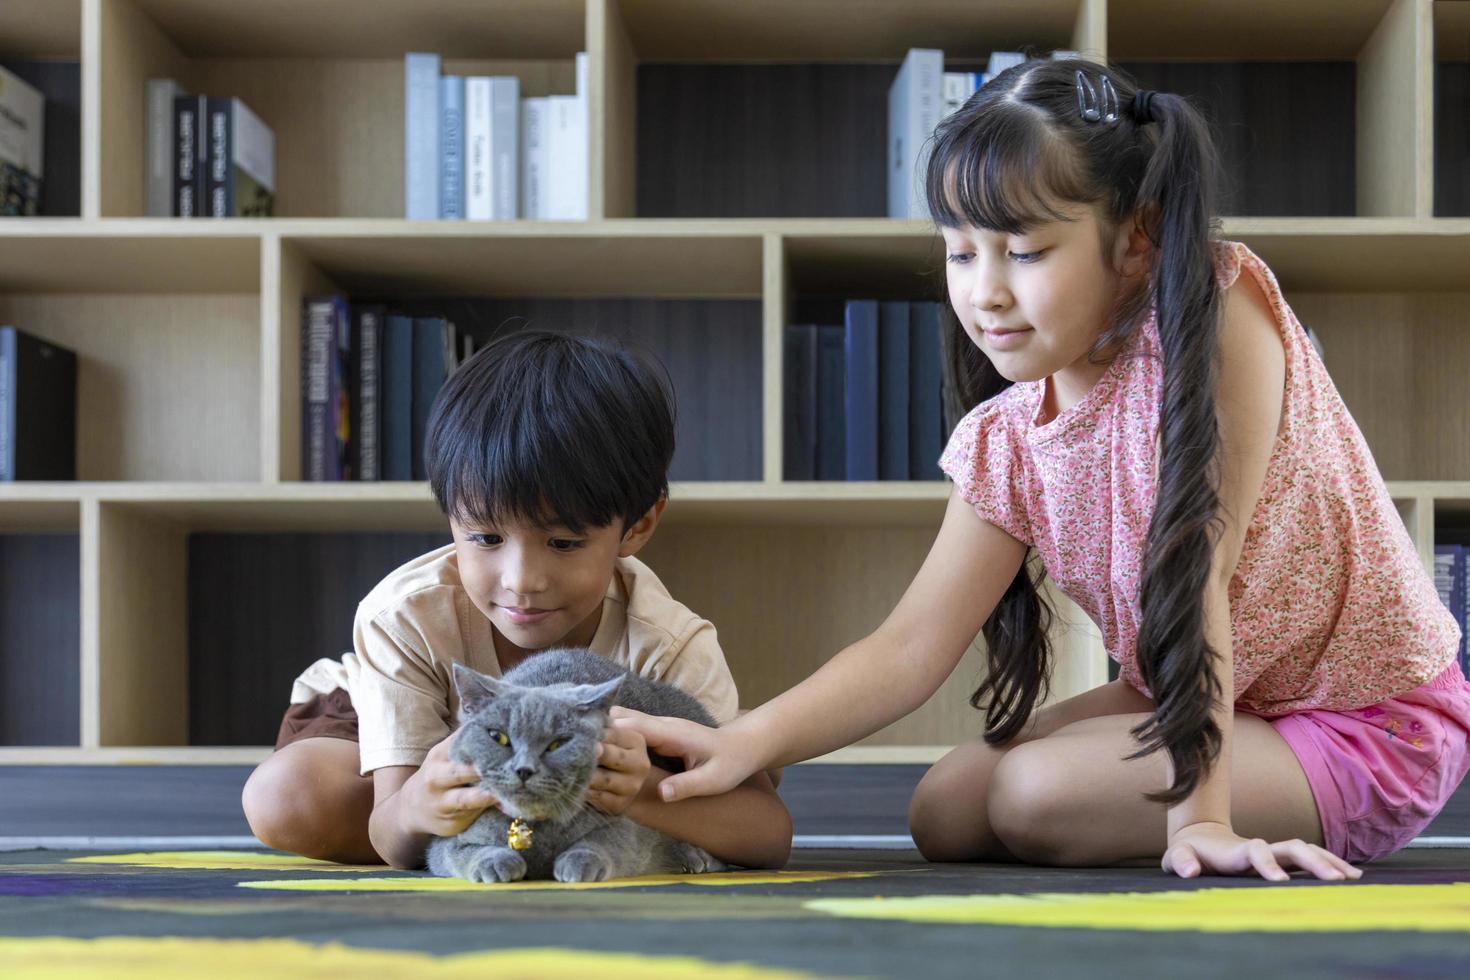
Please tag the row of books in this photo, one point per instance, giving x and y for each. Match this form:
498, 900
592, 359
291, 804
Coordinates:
208, 157
22, 145
369, 377
474, 149
38, 408
923, 94
863, 399
1452, 581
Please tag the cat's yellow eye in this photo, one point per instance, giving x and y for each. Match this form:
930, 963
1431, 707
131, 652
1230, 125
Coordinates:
556, 743
500, 737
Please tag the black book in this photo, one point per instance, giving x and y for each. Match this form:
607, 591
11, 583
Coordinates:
38, 409
831, 403
799, 404
396, 397
190, 155
893, 390
926, 384
365, 372
429, 372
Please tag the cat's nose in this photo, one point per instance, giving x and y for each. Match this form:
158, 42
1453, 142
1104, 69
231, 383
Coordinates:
525, 774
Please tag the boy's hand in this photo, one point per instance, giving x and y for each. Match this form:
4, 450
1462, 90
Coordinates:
444, 796
622, 769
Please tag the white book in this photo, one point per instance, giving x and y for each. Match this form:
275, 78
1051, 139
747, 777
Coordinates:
505, 150
534, 114
566, 150
915, 102
478, 177
1001, 60
159, 183
958, 87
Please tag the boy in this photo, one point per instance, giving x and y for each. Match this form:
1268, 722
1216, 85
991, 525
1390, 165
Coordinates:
549, 455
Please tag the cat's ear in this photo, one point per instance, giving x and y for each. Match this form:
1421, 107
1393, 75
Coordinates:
475, 689
596, 697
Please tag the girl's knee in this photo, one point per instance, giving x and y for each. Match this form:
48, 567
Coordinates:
1029, 805
946, 812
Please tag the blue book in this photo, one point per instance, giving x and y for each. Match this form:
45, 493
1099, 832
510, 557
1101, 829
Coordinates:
429, 372
421, 136
926, 372
831, 428
799, 404
397, 398
860, 389
451, 146
893, 390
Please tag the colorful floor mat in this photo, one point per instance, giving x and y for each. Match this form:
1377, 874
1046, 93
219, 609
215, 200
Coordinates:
833, 913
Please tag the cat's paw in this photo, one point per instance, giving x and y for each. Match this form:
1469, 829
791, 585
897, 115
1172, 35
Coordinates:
496, 864
699, 861
582, 864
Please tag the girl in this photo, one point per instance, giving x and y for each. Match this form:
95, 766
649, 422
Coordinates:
1148, 415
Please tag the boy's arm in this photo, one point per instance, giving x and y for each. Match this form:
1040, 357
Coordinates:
748, 825
414, 804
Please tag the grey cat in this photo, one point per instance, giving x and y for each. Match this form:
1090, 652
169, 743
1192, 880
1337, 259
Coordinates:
532, 735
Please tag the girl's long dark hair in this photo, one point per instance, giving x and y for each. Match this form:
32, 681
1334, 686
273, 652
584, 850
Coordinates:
1012, 157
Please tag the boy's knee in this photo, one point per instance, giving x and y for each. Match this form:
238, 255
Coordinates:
271, 801
1028, 808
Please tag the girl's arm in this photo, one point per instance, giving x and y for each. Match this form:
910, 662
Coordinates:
870, 684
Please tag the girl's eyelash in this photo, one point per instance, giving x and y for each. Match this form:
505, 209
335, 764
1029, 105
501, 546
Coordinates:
1026, 258
959, 257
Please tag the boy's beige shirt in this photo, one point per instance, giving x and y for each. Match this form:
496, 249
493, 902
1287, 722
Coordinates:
419, 621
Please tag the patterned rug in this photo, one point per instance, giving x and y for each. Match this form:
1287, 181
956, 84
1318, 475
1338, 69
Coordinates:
225, 914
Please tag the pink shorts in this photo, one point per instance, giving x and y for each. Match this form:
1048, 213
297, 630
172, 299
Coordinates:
1381, 773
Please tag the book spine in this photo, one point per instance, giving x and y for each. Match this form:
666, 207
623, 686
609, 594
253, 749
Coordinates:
893, 390
451, 147
317, 389
161, 94
421, 136
831, 428
188, 115
799, 403
533, 159
338, 467
396, 395
252, 167
926, 380
505, 147
219, 194
479, 183
861, 389
7, 404
559, 157
367, 367
428, 377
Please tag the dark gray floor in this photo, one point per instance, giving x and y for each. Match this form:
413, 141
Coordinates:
38, 801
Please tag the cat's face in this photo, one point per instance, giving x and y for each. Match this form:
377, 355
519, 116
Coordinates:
534, 747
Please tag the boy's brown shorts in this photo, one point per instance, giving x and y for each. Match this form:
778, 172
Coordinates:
324, 716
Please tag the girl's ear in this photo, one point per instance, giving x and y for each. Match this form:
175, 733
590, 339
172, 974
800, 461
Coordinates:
637, 535
475, 689
1133, 248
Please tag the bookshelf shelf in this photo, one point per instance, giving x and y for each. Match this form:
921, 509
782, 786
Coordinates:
189, 331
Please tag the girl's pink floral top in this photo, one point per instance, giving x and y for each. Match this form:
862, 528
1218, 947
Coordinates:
1330, 606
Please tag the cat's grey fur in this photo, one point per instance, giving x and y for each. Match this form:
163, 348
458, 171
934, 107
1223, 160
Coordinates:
559, 694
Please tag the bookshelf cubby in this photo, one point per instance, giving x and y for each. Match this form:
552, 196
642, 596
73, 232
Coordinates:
152, 582
1451, 109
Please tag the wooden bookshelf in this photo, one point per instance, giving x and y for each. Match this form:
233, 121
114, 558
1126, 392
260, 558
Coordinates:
189, 331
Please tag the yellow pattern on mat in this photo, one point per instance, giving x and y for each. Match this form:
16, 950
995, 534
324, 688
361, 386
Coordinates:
223, 861
174, 958
1298, 908
429, 884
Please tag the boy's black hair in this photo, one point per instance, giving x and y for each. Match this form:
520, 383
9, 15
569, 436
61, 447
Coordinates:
546, 428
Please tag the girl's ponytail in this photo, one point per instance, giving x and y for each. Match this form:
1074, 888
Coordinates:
1174, 659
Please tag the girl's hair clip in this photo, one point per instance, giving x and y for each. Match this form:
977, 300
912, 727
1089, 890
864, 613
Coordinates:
1096, 106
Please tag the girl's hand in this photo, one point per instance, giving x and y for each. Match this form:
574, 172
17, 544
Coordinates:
1215, 848
622, 769
711, 766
